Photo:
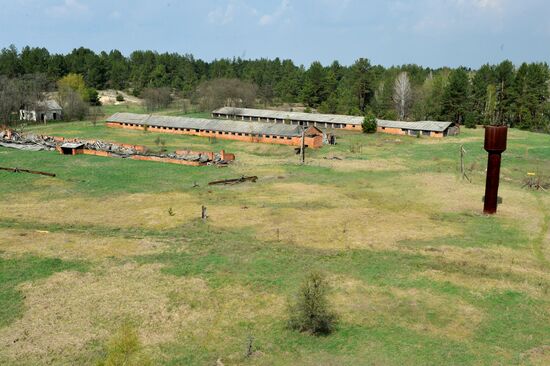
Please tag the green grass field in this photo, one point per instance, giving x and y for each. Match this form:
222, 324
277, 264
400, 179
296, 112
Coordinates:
418, 275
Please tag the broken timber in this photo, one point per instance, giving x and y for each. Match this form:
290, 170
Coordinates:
235, 181
19, 170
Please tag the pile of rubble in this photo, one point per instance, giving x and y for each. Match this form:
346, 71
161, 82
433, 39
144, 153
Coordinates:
31, 142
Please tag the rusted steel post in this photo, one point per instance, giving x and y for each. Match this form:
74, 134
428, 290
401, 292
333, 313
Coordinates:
495, 145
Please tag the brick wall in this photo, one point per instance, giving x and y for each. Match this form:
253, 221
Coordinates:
353, 128
392, 131
293, 141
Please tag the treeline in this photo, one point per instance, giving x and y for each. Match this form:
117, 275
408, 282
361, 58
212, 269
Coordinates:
503, 93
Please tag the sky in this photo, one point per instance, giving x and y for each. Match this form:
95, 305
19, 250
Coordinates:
431, 33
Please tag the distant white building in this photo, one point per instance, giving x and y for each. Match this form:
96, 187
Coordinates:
48, 110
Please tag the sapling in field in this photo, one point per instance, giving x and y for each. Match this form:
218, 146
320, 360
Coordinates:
311, 311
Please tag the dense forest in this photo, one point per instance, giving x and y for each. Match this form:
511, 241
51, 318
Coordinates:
517, 95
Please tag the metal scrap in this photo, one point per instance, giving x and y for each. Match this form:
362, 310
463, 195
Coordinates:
20, 170
234, 181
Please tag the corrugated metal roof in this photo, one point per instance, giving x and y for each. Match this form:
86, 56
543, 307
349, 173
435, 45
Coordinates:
295, 116
255, 128
417, 126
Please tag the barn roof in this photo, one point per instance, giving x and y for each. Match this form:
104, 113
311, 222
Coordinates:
255, 128
295, 116
50, 104
419, 126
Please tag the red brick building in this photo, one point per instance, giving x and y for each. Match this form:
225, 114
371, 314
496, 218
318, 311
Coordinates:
423, 128
336, 121
270, 133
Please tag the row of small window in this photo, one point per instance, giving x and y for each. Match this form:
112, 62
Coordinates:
416, 132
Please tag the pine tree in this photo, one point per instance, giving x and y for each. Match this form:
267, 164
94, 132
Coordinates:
455, 100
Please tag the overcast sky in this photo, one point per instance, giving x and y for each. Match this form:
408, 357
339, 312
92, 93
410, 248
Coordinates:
427, 32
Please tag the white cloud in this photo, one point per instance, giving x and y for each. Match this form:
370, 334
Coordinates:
68, 8
233, 9
268, 19
222, 15
489, 4
482, 4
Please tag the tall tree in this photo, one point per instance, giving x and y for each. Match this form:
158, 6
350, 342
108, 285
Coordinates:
480, 98
456, 96
504, 78
315, 89
402, 95
363, 87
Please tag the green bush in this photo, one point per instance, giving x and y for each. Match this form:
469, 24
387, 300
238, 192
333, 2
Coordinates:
119, 97
311, 310
369, 123
91, 96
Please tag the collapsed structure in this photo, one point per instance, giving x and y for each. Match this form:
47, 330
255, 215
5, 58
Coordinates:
271, 133
353, 123
65, 146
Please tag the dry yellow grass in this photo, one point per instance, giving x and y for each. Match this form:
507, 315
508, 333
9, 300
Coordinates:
74, 309
371, 165
73, 246
426, 312
131, 210
539, 356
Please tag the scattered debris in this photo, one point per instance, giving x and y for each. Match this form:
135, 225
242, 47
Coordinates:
235, 181
13, 139
20, 170
171, 212
535, 182
333, 158
27, 147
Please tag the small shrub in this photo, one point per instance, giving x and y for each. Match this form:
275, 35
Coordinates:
369, 123
311, 310
356, 147
125, 349
307, 110
161, 144
119, 97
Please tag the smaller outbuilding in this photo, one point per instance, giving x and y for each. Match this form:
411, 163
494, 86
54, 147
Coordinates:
48, 110
71, 148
